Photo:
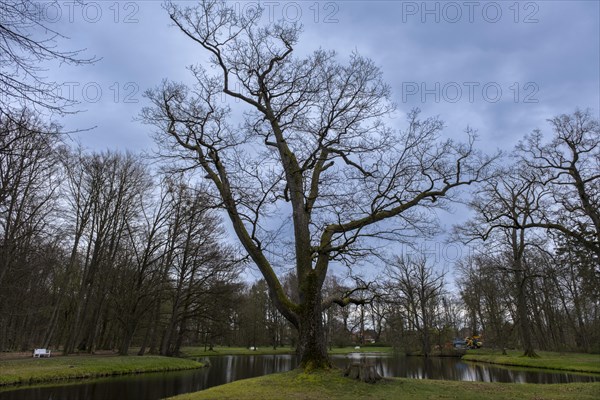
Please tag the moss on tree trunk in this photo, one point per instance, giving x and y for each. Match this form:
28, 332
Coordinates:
312, 348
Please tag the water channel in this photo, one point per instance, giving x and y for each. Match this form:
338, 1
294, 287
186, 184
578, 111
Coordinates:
224, 369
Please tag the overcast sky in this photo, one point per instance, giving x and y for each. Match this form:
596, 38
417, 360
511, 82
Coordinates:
501, 67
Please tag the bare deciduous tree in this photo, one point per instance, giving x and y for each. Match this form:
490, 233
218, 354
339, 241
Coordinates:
27, 182
28, 201
569, 167
109, 188
195, 258
486, 288
418, 289
314, 145
506, 210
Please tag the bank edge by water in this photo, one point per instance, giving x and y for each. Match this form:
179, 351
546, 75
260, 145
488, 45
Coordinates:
332, 385
568, 362
28, 371
145, 386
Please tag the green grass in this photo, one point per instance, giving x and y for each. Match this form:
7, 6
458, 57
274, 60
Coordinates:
33, 370
331, 385
238, 351
235, 351
364, 349
578, 362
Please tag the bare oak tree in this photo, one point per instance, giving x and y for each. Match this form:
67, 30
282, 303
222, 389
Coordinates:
506, 209
569, 167
314, 145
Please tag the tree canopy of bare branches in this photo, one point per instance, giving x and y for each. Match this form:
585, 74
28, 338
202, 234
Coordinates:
26, 42
551, 191
569, 168
314, 143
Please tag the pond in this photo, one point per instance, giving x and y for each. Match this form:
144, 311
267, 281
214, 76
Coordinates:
226, 369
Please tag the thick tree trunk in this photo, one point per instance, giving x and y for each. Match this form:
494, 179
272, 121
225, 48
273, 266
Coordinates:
524, 324
312, 346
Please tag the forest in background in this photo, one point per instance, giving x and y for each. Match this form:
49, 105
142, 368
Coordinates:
99, 251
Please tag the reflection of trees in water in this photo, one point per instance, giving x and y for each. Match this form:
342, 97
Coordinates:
447, 368
225, 369
498, 373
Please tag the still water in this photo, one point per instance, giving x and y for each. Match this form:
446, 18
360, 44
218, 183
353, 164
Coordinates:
225, 369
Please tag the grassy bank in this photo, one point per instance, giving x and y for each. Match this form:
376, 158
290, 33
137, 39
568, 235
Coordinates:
332, 385
233, 351
578, 362
224, 351
365, 349
31, 370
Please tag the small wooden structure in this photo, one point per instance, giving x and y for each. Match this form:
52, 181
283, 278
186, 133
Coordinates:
41, 353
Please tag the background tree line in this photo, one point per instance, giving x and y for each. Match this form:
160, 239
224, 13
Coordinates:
99, 252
